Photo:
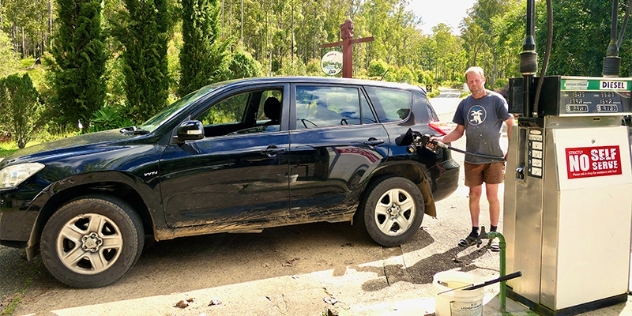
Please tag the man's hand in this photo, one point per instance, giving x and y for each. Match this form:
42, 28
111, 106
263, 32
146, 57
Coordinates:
434, 143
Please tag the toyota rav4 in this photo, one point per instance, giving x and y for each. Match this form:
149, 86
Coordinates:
235, 156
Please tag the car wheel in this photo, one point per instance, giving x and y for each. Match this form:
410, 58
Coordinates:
92, 241
392, 211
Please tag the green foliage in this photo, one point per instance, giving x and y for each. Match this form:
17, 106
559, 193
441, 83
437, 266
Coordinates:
153, 59
297, 68
404, 74
80, 53
434, 93
49, 133
492, 36
242, 65
378, 68
500, 83
313, 68
115, 95
20, 107
580, 41
8, 58
109, 117
425, 77
143, 31
7, 148
203, 58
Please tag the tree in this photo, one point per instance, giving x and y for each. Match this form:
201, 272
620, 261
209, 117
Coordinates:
484, 13
242, 65
80, 54
8, 58
28, 24
511, 33
203, 55
581, 30
143, 30
20, 107
448, 65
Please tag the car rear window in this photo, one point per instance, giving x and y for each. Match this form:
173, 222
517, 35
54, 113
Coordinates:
326, 106
391, 105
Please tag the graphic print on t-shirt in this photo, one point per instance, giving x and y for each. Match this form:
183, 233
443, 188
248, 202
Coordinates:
476, 115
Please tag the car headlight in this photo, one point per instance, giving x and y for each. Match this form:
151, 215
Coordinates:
12, 176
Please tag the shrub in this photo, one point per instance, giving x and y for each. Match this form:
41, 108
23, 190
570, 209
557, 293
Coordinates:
242, 65
20, 107
109, 117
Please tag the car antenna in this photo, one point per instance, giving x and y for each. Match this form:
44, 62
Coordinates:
384, 74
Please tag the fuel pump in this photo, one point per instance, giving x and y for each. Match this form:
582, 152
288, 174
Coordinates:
568, 185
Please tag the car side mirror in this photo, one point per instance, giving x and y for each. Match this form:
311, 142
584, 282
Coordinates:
190, 130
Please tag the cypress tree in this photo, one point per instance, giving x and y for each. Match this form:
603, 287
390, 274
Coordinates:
20, 107
80, 54
203, 58
143, 32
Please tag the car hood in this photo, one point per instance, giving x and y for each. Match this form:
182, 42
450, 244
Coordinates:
76, 145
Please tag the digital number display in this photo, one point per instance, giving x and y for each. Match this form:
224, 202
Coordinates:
577, 108
607, 108
584, 102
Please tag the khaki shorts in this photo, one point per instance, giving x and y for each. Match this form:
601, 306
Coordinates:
490, 173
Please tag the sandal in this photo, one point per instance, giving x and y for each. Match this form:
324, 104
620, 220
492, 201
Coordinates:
469, 240
494, 246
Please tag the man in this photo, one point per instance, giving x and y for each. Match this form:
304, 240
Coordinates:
480, 117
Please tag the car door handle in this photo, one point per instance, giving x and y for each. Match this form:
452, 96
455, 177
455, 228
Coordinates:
373, 142
272, 151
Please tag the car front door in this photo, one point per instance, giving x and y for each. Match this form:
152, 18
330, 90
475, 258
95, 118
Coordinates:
335, 145
233, 178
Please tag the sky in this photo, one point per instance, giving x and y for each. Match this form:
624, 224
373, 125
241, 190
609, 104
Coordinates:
450, 12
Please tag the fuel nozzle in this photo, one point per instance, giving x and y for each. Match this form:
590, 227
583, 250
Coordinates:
425, 140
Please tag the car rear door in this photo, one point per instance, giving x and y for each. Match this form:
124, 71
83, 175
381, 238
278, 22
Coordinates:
229, 179
335, 144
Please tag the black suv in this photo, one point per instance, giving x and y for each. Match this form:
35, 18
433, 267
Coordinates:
236, 156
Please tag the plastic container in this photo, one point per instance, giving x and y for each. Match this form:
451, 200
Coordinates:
457, 302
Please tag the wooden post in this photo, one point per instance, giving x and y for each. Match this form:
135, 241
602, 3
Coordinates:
346, 32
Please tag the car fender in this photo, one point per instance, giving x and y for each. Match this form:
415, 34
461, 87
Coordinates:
111, 182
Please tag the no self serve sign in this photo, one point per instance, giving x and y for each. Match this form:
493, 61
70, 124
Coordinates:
585, 162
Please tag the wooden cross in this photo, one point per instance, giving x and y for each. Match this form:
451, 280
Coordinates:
346, 32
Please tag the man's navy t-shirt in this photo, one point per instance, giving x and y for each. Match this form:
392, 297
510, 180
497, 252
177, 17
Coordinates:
482, 119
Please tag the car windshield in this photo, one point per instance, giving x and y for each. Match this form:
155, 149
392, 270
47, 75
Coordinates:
175, 108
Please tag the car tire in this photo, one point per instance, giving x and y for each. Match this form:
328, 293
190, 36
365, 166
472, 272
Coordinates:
392, 211
92, 241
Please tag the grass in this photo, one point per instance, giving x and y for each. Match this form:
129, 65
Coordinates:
15, 300
7, 148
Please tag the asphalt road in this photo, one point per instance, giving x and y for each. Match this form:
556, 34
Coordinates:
297, 270
448, 93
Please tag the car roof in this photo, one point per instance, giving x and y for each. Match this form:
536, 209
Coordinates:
317, 80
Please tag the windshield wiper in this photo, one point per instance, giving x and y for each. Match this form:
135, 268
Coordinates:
133, 130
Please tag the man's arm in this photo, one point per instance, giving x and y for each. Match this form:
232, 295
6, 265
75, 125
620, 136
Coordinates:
510, 124
455, 134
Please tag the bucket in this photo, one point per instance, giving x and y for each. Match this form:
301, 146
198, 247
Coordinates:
457, 302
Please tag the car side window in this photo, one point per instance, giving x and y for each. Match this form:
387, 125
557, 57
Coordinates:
391, 105
323, 106
244, 113
228, 111
270, 114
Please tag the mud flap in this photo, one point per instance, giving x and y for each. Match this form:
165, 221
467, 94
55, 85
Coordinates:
429, 205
